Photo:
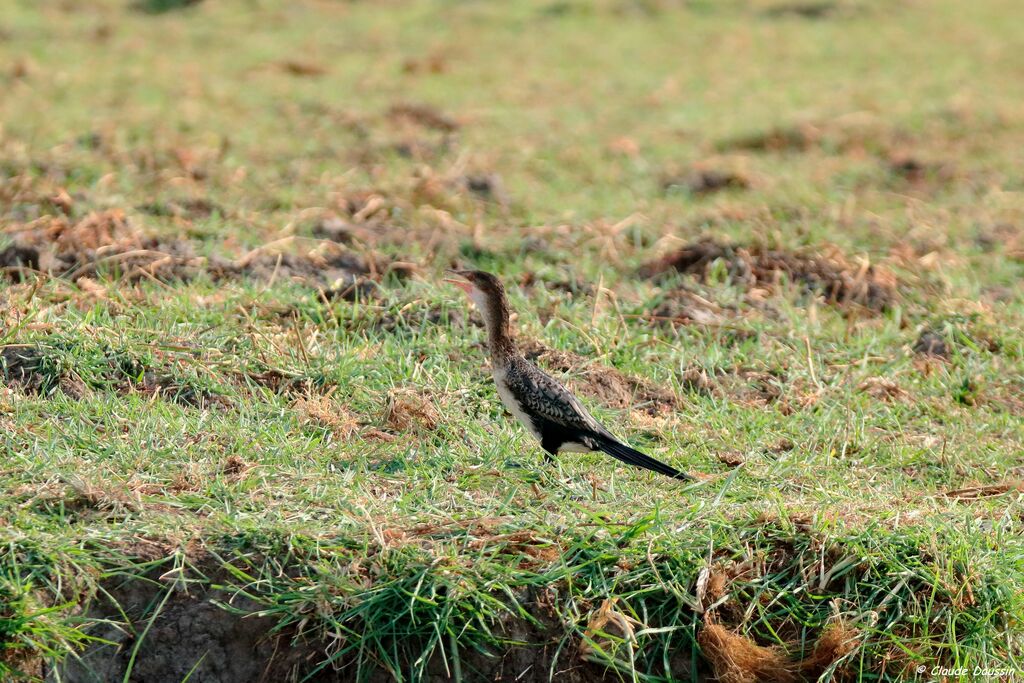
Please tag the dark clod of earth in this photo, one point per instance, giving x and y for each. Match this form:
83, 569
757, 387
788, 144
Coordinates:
486, 186
21, 364
804, 10
932, 344
15, 259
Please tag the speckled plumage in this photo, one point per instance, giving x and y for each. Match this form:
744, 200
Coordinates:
549, 405
546, 408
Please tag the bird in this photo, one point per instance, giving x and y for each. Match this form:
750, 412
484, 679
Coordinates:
549, 411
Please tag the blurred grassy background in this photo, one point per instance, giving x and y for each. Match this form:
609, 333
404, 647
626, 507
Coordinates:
232, 360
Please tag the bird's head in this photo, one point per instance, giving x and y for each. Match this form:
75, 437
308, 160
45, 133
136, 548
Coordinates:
484, 289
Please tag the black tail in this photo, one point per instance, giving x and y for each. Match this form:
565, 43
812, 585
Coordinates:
631, 456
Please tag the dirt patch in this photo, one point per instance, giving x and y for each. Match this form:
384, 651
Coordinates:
191, 636
302, 67
853, 133
335, 271
572, 284
124, 373
76, 499
534, 551
682, 306
277, 381
1006, 236
1006, 398
24, 365
340, 275
799, 137
365, 205
612, 387
102, 241
696, 380
829, 274
15, 653
34, 371
423, 115
433, 63
752, 387
744, 385
109, 243
234, 466
911, 170
417, 131
162, 6
337, 229
736, 658
703, 181
807, 10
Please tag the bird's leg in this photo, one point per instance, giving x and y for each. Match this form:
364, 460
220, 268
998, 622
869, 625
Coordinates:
554, 469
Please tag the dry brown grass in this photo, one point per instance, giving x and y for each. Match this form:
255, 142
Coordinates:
735, 658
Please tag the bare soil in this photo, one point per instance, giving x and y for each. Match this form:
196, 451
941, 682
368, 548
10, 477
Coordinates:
191, 636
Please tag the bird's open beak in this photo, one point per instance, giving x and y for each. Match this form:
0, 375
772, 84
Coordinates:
461, 284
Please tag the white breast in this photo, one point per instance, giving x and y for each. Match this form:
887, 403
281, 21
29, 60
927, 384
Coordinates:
512, 404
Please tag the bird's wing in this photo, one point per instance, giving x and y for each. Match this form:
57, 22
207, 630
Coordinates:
542, 395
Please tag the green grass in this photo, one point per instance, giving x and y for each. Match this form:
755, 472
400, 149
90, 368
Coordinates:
345, 468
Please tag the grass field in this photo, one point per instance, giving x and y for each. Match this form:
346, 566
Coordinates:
248, 433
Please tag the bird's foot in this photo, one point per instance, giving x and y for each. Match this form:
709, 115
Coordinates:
552, 473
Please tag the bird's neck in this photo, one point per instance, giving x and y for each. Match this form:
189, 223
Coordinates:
499, 331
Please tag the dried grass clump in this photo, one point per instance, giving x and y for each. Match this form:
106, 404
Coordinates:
883, 389
735, 658
101, 230
234, 466
986, 491
321, 411
407, 410
102, 240
829, 273
835, 642
606, 619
